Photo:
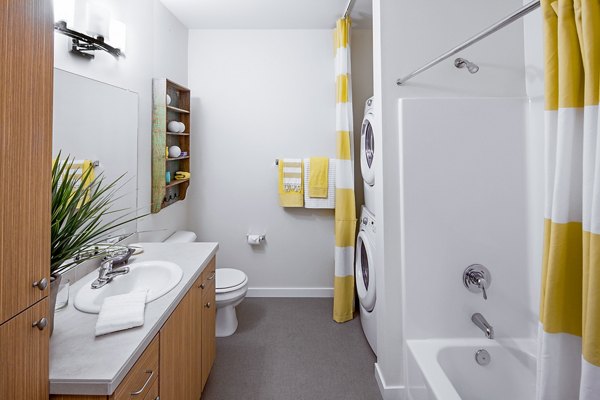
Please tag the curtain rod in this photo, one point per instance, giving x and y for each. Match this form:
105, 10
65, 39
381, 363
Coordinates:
521, 12
348, 8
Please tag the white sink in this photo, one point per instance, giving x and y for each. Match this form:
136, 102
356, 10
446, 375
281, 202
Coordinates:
158, 277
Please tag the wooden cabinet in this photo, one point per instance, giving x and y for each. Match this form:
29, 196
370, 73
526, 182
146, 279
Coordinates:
141, 379
26, 68
187, 341
24, 355
178, 351
26, 71
182, 354
166, 193
209, 313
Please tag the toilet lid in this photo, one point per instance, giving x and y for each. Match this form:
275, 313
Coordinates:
228, 278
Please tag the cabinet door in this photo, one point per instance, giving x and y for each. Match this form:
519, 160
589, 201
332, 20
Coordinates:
26, 68
209, 343
141, 378
24, 355
177, 350
196, 337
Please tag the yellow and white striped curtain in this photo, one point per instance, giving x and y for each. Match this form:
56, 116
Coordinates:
345, 211
569, 336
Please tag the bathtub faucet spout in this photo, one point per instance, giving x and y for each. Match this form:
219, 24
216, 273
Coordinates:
482, 324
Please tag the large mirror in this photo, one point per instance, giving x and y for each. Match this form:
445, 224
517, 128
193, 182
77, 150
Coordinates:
98, 122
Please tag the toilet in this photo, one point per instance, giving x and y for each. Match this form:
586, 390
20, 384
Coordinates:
231, 286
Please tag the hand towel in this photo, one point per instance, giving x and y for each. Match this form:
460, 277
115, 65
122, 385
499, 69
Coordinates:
121, 312
78, 168
291, 190
182, 175
329, 202
317, 180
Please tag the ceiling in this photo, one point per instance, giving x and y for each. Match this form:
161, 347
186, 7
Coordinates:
267, 14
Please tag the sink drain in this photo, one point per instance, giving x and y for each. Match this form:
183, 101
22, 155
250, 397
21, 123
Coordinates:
483, 357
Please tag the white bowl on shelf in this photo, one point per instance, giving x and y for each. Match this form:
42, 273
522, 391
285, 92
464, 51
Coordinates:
174, 151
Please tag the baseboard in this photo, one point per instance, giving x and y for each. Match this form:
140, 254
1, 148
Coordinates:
388, 392
290, 292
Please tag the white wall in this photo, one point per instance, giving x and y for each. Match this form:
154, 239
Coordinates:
259, 95
156, 47
407, 35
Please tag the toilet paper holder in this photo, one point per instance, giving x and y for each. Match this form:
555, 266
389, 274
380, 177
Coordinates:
254, 239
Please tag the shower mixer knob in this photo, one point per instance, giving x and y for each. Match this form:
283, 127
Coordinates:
477, 279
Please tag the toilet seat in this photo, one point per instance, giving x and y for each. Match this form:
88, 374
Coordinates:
229, 280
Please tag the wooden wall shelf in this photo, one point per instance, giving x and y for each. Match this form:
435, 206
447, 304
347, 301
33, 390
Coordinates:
177, 110
176, 182
163, 194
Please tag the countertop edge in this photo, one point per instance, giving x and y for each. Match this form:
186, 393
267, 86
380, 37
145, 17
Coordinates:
107, 387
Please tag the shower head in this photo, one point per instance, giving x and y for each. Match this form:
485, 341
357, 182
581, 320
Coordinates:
461, 63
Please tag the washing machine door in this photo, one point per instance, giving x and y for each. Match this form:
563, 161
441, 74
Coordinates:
365, 272
367, 150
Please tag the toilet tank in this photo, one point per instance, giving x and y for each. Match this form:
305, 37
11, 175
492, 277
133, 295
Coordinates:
181, 237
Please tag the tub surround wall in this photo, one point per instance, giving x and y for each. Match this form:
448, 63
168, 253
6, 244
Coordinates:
534, 68
407, 35
463, 203
156, 46
259, 95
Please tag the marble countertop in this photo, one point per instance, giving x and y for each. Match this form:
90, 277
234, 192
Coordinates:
81, 363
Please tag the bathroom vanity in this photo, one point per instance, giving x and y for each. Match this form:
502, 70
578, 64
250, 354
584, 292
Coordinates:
169, 357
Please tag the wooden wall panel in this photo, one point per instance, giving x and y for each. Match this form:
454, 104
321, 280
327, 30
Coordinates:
26, 72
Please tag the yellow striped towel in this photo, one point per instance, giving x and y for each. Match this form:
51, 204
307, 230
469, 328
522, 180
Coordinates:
291, 189
317, 180
78, 168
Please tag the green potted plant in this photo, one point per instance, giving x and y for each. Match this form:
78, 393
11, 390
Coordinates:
80, 219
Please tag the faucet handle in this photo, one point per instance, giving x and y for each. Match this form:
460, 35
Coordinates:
477, 278
482, 283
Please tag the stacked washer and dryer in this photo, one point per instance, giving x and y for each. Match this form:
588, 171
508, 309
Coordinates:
365, 243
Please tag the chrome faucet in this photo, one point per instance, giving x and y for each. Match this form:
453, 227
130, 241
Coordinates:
477, 279
482, 324
107, 270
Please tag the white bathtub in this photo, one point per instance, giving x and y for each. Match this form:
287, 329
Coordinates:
448, 370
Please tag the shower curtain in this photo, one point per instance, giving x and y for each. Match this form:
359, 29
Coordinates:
569, 336
345, 211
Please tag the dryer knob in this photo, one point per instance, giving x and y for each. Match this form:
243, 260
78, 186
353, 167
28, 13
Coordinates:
365, 220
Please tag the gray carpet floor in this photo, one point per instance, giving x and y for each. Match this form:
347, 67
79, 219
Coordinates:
290, 349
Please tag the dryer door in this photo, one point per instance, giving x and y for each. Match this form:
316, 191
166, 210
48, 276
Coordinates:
365, 272
367, 150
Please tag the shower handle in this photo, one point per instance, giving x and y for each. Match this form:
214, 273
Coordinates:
477, 279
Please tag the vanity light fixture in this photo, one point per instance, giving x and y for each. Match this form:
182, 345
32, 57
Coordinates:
84, 45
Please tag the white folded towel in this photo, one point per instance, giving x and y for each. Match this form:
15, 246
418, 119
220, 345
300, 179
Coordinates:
314, 202
121, 312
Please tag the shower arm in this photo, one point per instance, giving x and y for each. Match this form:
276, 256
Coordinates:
521, 12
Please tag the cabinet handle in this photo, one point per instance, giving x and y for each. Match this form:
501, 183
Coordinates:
202, 285
207, 305
211, 277
41, 284
41, 324
145, 384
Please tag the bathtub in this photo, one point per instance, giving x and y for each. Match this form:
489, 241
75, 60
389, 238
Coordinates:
445, 369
